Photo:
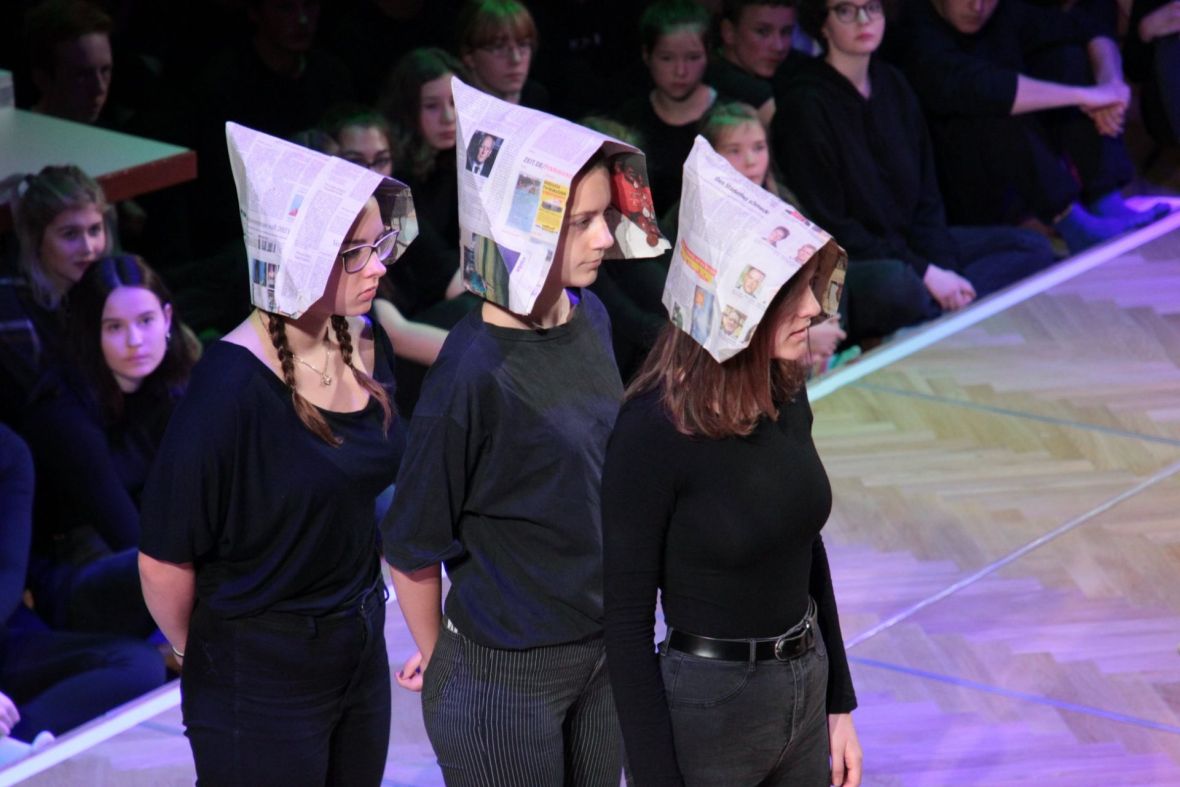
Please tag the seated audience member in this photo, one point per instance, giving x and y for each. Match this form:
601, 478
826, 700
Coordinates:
133, 359
52, 681
497, 39
675, 50
755, 44
735, 132
1000, 152
276, 81
63, 223
70, 58
426, 283
1152, 54
852, 142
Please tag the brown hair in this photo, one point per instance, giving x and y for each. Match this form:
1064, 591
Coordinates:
481, 22
57, 21
88, 298
311, 417
707, 398
39, 200
401, 101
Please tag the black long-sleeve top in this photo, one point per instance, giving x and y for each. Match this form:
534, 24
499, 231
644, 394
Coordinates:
863, 167
975, 75
728, 532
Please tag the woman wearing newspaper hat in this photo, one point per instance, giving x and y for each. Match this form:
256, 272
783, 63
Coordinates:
259, 554
501, 477
713, 497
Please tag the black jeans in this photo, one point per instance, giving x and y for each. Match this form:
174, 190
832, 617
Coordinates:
288, 699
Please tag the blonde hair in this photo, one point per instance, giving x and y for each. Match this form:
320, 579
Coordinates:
39, 200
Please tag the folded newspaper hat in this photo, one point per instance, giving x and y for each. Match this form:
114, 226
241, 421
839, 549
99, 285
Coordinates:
515, 166
738, 246
297, 205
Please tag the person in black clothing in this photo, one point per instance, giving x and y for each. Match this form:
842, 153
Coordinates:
70, 54
497, 39
755, 44
132, 363
998, 148
52, 681
675, 51
1152, 54
714, 497
852, 143
500, 483
63, 223
259, 554
426, 284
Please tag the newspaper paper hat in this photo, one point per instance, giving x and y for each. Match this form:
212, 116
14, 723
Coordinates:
738, 246
515, 166
297, 206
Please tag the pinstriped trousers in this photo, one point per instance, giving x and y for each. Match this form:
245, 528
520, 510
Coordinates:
537, 717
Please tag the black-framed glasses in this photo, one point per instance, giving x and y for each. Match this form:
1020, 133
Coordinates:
357, 257
505, 47
381, 163
847, 13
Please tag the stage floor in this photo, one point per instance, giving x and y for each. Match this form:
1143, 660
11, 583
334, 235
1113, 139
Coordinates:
1005, 545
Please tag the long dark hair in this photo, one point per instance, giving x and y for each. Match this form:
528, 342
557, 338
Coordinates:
88, 298
401, 102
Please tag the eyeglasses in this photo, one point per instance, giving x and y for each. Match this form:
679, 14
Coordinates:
383, 162
847, 13
356, 258
505, 48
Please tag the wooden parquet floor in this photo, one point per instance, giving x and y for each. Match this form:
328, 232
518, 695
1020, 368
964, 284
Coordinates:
1005, 544
1006, 539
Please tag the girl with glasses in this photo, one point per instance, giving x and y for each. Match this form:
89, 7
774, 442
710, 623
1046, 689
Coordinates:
259, 554
497, 40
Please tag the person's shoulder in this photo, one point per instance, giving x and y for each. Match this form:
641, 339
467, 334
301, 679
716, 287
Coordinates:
225, 374
644, 425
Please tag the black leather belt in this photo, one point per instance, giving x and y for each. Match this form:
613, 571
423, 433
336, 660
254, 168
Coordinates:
792, 645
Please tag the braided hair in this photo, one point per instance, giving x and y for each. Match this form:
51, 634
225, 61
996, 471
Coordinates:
311, 417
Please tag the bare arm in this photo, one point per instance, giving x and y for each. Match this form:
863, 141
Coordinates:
1033, 95
170, 591
1163, 21
455, 287
416, 341
419, 594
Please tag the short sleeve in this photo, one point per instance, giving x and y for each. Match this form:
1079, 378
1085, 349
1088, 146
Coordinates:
185, 499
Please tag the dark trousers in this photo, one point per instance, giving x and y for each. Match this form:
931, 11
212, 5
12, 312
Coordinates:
61, 679
541, 717
281, 699
749, 722
881, 296
97, 593
1161, 91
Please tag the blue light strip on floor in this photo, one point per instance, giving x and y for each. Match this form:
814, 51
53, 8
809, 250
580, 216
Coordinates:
1019, 695
990, 306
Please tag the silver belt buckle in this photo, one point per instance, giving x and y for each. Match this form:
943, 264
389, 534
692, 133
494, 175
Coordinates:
781, 641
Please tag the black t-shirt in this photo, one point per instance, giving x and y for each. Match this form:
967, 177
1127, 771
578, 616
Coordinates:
667, 147
502, 476
273, 518
727, 531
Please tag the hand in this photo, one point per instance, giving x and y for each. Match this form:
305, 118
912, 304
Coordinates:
824, 339
1163, 21
9, 715
1109, 120
950, 289
410, 675
847, 758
